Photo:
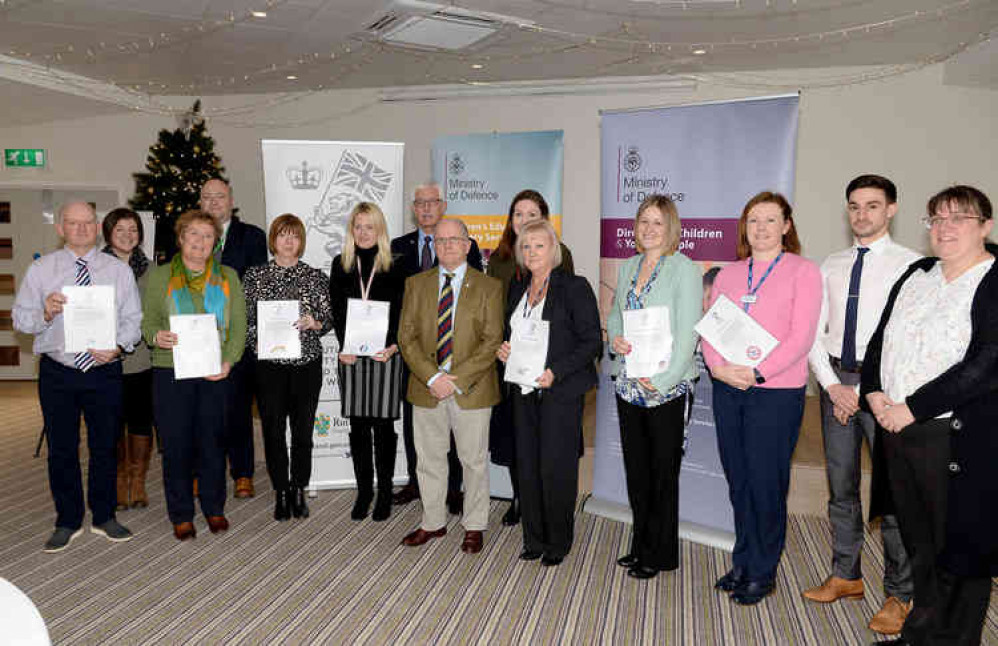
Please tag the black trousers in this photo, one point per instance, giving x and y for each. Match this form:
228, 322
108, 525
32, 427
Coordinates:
189, 414
455, 476
384, 443
65, 393
918, 472
137, 408
547, 458
238, 424
652, 443
962, 609
288, 395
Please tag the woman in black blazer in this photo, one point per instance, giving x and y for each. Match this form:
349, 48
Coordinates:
547, 413
937, 447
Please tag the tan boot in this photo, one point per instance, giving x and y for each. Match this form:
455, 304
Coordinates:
139, 448
121, 485
891, 617
835, 588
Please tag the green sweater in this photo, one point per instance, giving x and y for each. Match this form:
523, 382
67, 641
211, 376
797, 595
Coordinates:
156, 316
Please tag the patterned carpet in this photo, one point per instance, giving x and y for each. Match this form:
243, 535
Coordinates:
328, 580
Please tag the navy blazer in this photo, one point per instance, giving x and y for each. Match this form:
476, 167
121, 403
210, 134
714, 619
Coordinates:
405, 254
576, 338
245, 246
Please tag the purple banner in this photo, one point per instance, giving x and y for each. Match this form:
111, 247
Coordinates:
708, 239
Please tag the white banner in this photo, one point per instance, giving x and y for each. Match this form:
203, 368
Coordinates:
320, 182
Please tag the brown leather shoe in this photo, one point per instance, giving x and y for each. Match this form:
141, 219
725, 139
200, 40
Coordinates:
217, 524
891, 617
405, 495
420, 536
244, 488
835, 588
184, 531
472, 542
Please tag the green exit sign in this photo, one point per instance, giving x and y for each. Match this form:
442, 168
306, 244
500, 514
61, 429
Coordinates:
24, 157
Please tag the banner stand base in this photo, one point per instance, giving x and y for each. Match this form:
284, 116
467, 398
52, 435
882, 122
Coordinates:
701, 534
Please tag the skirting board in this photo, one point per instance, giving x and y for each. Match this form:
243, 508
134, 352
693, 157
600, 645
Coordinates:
688, 531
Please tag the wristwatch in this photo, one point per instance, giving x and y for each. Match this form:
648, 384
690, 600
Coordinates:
759, 379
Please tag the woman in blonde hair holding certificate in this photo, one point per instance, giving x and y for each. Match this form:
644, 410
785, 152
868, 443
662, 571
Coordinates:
758, 410
657, 289
366, 292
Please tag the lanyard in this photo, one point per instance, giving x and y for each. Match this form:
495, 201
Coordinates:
526, 301
365, 290
750, 298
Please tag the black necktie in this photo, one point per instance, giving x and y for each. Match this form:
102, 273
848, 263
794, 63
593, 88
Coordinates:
426, 258
852, 310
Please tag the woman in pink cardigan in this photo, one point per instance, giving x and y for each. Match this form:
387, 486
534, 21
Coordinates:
758, 411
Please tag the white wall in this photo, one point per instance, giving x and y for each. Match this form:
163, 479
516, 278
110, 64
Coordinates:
912, 128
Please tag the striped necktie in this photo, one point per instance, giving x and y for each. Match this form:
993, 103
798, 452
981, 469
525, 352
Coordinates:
445, 321
83, 360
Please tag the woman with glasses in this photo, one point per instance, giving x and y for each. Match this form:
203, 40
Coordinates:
928, 377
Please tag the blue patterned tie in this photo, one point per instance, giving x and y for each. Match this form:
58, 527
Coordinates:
83, 360
852, 311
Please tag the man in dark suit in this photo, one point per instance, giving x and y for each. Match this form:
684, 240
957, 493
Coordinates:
450, 328
414, 252
242, 246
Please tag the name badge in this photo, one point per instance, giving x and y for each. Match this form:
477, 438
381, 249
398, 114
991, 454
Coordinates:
748, 298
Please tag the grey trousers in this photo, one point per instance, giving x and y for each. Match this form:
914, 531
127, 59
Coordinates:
843, 444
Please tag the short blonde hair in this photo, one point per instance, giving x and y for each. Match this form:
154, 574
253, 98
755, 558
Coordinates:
286, 223
673, 227
539, 226
187, 218
383, 261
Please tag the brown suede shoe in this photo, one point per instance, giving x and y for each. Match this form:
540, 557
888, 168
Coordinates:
891, 616
421, 536
184, 531
217, 524
244, 488
835, 588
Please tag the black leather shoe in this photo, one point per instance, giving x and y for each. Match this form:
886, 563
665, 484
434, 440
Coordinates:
752, 592
361, 505
512, 515
550, 561
627, 560
299, 508
734, 578
642, 572
382, 506
530, 555
282, 504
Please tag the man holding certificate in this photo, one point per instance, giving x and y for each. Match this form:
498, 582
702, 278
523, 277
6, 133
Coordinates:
74, 378
450, 327
759, 396
550, 374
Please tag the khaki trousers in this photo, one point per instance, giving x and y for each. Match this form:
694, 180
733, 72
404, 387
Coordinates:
431, 433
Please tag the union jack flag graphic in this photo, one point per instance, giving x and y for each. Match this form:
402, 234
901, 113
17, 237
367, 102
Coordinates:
357, 172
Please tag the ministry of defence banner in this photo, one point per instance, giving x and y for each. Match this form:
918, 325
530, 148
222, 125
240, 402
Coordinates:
480, 173
320, 182
710, 159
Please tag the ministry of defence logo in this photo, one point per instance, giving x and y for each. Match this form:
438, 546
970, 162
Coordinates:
455, 165
632, 160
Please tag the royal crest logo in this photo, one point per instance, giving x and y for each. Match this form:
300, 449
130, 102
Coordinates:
632, 160
456, 165
306, 178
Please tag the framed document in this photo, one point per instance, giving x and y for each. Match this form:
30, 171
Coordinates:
650, 334
198, 352
88, 318
734, 334
276, 330
367, 327
528, 352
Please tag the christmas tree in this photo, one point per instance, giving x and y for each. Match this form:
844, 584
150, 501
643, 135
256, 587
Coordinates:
179, 163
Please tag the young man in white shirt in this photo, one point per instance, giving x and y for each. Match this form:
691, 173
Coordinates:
857, 283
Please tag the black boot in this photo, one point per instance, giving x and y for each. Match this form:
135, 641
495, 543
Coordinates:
282, 504
360, 452
299, 508
385, 445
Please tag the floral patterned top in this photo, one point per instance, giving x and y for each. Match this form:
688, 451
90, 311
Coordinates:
300, 282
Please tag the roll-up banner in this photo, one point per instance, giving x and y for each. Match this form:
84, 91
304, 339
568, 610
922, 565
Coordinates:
710, 159
320, 182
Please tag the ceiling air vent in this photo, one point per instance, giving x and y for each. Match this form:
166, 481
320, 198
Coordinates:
413, 23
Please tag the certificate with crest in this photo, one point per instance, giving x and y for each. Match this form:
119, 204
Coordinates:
650, 334
528, 352
277, 330
734, 334
367, 327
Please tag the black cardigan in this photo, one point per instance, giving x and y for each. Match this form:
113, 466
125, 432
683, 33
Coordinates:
968, 389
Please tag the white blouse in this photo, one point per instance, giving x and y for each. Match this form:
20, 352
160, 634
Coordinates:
522, 313
929, 330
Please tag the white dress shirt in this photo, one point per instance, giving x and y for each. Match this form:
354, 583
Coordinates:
56, 270
882, 266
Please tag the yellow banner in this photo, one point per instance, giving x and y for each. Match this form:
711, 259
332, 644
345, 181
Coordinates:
487, 229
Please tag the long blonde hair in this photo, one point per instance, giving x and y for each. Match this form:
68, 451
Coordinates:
383, 259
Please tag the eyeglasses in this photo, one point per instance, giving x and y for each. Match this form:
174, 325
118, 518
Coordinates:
421, 203
956, 219
441, 242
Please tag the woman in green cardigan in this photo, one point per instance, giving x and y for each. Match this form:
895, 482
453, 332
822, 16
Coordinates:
527, 206
189, 413
651, 410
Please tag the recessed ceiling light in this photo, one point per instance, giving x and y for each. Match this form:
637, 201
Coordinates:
477, 66
291, 77
699, 52
258, 14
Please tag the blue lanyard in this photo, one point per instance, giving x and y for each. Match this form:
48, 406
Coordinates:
750, 298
